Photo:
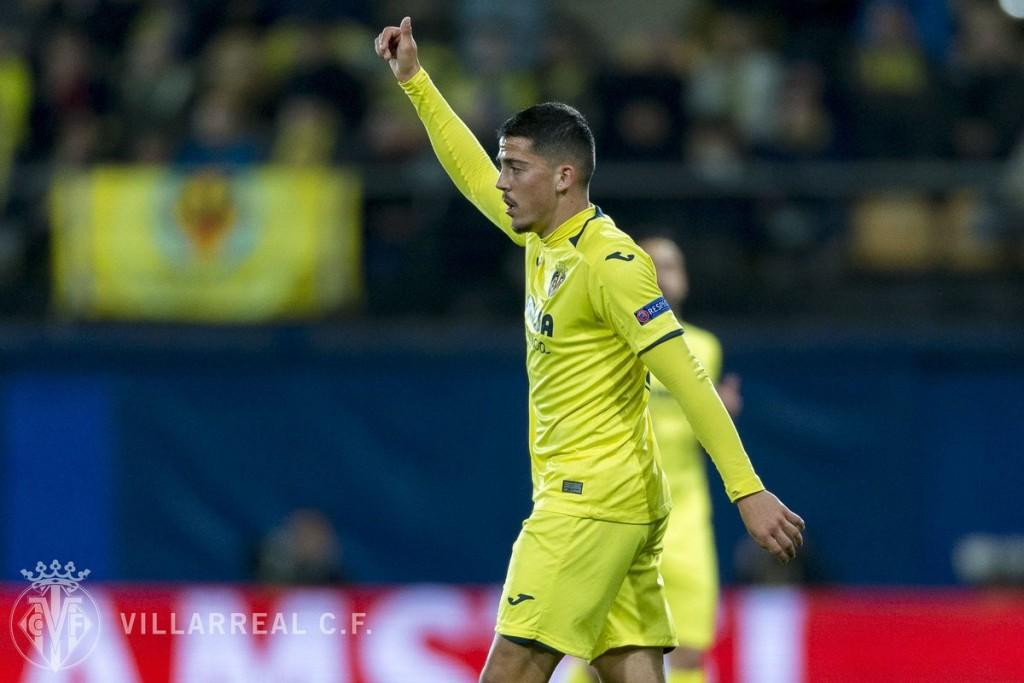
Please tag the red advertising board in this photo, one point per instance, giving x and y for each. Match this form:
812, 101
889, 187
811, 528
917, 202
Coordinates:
428, 634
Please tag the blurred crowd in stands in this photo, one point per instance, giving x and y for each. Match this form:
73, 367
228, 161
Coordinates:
713, 84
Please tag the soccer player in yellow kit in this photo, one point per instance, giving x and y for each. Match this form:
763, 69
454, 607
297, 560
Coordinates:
583, 579
688, 565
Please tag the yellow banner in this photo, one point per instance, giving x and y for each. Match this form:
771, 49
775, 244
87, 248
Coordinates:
156, 244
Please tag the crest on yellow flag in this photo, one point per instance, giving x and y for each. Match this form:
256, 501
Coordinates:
206, 211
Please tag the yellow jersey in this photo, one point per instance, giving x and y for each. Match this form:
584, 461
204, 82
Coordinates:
593, 307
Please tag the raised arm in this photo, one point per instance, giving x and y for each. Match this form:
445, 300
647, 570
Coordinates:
458, 150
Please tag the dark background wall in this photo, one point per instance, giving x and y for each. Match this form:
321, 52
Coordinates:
165, 454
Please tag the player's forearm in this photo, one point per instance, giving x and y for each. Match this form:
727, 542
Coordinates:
458, 150
678, 369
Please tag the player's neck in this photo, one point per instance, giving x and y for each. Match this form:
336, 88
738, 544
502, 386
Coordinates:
568, 207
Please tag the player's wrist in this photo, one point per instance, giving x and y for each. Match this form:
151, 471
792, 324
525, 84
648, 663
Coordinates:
747, 497
406, 75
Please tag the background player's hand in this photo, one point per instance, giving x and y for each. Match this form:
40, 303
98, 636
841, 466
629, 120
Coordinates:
396, 46
730, 392
771, 524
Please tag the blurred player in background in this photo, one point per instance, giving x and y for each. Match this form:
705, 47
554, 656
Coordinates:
688, 564
583, 579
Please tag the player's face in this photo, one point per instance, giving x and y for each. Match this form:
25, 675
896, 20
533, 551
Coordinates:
668, 261
529, 185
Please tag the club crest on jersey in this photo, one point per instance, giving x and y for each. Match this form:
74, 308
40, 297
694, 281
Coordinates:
557, 278
651, 311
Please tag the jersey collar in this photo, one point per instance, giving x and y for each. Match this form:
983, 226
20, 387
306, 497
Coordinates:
571, 226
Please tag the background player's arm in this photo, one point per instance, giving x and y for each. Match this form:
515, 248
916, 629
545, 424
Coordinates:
731, 394
774, 526
460, 153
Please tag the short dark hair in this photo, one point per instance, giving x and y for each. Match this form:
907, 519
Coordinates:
557, 131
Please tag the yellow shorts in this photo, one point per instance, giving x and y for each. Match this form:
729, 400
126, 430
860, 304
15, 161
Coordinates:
690, 570
584, 586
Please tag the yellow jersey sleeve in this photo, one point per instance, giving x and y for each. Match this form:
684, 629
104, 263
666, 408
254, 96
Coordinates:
675, 366
624, 293
681, 455
679, 447
460, 153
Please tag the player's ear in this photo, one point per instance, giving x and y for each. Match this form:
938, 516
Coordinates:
566, 177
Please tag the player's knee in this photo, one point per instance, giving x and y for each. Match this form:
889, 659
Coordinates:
494, 674
491, 674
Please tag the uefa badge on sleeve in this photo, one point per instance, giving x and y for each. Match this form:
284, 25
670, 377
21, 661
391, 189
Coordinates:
55, 623
651, 311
